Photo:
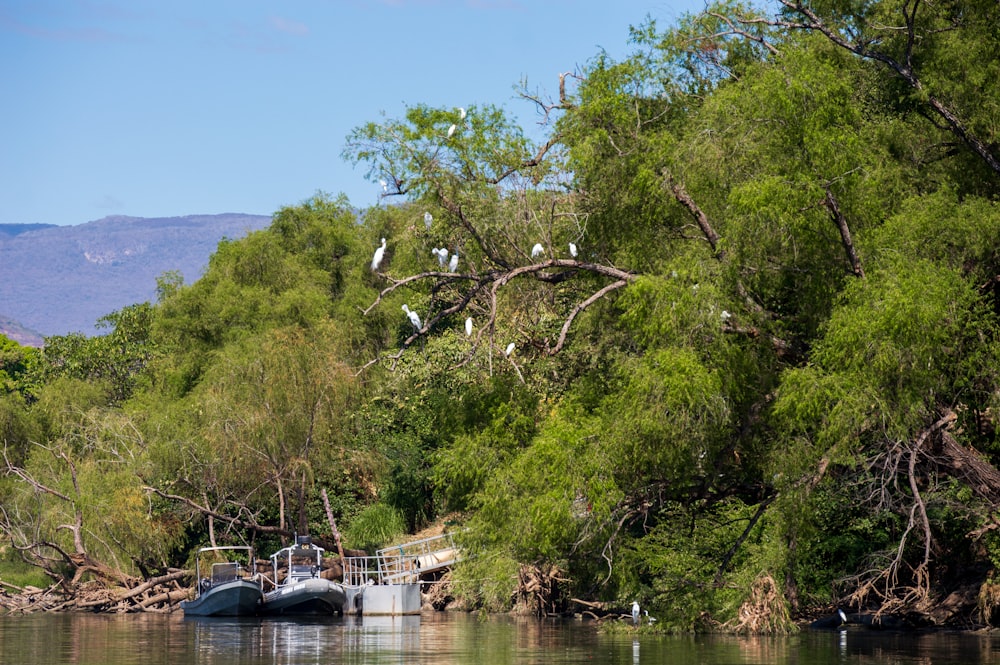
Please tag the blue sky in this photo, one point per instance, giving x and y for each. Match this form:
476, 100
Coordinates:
175, 107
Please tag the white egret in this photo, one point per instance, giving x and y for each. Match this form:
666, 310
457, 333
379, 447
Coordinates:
451, 130
537, 250
726, 315
428, 218
414, 318
572, 250
385, 185
635, 613
461, 113
649, 619
509, 350
453, 264
468, 327
379, 253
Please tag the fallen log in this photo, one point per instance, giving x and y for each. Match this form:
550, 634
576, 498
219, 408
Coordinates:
155, 581
169, 597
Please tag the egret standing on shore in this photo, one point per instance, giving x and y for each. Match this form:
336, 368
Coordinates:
377, 259
635, 613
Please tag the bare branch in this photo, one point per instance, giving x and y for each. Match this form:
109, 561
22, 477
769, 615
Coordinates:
845, 233
579, 308
733, 30
208, 512
680, 193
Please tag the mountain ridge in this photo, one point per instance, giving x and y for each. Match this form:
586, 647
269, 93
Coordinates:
56, 280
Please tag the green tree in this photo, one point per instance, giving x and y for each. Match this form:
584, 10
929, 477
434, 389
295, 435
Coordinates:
115, 360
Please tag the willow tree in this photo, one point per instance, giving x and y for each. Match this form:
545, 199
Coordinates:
894, 414
74, 504
271, 421
729, 185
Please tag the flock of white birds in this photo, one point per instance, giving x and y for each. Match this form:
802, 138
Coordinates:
441, 254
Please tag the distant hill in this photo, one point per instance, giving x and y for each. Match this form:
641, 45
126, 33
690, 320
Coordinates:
15, 331
55, 280
17, 229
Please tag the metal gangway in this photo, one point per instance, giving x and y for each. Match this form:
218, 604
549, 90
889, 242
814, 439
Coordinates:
402, 564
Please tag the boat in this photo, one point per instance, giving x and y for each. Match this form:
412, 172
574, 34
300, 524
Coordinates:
229, 590
302, 590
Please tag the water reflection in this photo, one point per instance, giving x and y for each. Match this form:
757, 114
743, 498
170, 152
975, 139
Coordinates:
395, 639
446, 639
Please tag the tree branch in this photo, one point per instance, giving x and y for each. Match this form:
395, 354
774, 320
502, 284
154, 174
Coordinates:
208, 512
903, 70
579, 308
680, 193
845, 233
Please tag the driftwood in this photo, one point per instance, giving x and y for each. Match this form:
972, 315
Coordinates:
538, 590
157, 594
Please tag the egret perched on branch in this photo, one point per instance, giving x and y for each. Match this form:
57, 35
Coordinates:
572, 250
414, 318
537, 250
451, 130
385, 185
635, 613
509, 350
461, 113
379, 253
428, 218
453, 264
442, 255
468, 327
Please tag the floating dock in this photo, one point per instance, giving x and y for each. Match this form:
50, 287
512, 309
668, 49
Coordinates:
388, 584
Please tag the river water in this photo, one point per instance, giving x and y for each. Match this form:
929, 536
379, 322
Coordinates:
445, 639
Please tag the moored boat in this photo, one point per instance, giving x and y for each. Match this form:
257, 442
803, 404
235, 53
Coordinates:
229, 589
299, 586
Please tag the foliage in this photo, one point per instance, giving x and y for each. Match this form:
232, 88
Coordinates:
115, 360
375, 527
763, 379
18, 368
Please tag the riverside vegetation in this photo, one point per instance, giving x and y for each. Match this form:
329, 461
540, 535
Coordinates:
764, 382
